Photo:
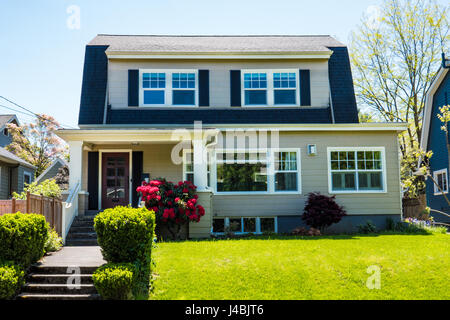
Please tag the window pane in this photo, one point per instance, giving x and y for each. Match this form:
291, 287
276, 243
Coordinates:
370, 181
343, 181
154, 97
242, 177
218, 225
267, 224
183, 97
284, 96
249, 225
236, 225
183, 80
286, 181
255, 97
190, 177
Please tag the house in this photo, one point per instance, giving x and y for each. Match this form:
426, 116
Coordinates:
52, 170
257, 122
14, 173
5, 119
433, 138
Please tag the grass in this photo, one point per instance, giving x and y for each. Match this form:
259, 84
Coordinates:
326, 267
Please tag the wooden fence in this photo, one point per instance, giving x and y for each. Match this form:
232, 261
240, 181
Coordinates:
50, 208
413, 208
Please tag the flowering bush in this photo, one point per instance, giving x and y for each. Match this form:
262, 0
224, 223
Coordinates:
173, 204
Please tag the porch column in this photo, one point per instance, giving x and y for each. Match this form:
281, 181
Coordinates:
75, 163
200, 164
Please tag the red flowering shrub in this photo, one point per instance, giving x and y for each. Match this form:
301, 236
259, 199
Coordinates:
321, 211
173, 204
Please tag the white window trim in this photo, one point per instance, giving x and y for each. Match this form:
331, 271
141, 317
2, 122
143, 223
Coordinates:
168, 89
270, 172
435, 174
28, 174
257, 225
185, 172
270, 89
383, 169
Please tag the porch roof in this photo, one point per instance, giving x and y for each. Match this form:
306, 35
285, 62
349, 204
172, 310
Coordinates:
114, 133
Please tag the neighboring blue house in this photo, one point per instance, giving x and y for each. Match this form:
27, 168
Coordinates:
433, 138
5, 119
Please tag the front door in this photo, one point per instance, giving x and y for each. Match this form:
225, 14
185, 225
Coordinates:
115, 180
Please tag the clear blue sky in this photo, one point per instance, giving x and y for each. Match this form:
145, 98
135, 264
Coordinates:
41, 59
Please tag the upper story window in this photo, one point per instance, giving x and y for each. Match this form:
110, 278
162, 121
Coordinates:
356, 170
441, 178
168, 87
270, 88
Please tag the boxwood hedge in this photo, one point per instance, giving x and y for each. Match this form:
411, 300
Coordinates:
115, 281
11, 280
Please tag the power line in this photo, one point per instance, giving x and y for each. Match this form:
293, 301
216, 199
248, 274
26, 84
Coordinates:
29, 111
17, 111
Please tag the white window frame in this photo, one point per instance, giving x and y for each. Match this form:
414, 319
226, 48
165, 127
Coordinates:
28, 174
257, 224
168, 90
435, 176
270, 158
356, 149
270, 88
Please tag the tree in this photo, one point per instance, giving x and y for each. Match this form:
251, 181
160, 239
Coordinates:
394, 59
36, 142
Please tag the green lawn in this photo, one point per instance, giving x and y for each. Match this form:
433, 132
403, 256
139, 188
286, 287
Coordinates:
328, 267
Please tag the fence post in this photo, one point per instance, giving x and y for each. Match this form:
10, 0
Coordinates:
28, 202
42, 204
13, 205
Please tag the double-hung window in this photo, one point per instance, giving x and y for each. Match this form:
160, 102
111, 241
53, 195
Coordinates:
286, 171
441, 179
168, 88
356, 170
270, 88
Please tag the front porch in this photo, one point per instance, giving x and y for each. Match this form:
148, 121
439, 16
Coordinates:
108, 169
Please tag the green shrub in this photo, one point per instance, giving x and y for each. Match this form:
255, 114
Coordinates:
11, 280
47, 188
115, 281
22, 238
125, 234
53, 242
368, 227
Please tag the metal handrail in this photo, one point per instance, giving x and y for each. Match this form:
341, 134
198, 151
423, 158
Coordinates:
72, 194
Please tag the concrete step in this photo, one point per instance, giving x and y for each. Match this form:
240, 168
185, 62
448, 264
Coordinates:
58, 278
82, 229
39, 269
82, 223
81, 235
46, 288
33, 296
81, 242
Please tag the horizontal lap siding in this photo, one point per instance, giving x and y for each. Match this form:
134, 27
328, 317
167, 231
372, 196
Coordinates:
219, 73
315, 178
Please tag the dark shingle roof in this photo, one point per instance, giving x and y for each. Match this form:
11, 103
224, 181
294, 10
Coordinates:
215, 44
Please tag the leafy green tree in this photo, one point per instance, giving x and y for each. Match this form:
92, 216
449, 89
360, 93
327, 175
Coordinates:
394, 58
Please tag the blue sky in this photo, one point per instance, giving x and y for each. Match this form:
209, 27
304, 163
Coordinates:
42, 58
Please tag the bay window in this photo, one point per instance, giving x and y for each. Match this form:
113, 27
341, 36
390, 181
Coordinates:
168, 87
356, 170
270, 88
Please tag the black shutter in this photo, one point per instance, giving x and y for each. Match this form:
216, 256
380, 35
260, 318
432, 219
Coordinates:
133, 88
203, 88
93, 180
235, 88
305, 88
137, 165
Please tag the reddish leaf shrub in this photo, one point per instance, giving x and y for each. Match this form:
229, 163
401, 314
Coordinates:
322, 211
302, 231
174, 204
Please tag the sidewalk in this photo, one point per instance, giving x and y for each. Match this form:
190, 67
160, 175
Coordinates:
89, 256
